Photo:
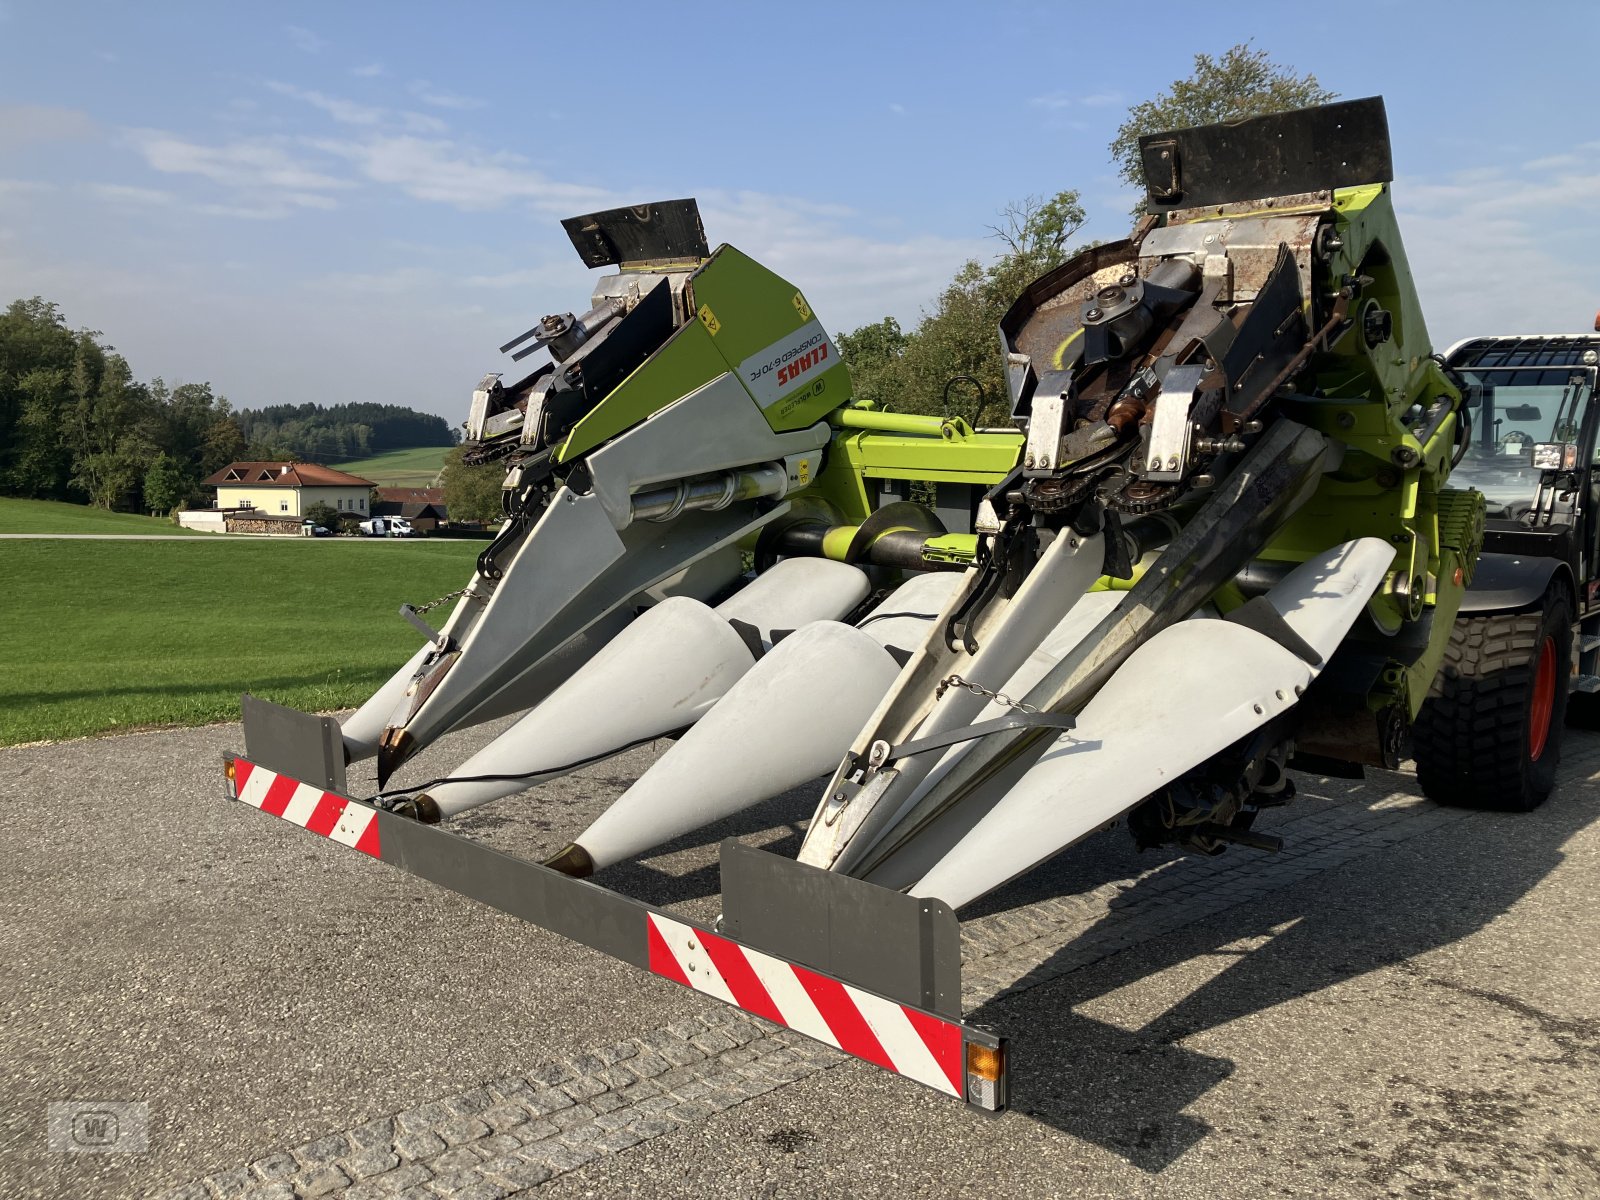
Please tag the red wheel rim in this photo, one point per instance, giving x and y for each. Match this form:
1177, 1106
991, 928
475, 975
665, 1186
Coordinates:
1544, 699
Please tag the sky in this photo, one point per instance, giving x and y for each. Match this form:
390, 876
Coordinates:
335, 202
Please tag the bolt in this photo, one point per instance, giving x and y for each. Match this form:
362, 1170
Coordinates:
1172, 463
1155, 463
1210, 237
1093, 314
1044, 460
1129, 279
1028, 462
1258, 708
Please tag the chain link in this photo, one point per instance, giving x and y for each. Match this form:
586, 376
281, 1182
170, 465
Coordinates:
446, 598
977, 689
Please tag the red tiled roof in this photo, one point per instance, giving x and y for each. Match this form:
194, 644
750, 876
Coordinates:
409, 495
282, 474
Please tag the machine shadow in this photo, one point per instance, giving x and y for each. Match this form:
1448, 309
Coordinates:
1126, 1089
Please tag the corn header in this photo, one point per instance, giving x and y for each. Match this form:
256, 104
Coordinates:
1216, 543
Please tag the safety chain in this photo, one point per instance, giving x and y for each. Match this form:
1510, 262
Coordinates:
422, 608
977, 689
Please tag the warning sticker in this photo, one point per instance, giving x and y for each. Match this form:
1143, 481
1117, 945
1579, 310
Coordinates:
801, 307
709, 319
785, 367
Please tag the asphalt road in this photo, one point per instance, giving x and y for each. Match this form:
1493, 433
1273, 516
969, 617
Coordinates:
1405, 1003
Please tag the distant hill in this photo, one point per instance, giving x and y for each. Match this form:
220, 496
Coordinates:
52, 516
340, 434
400, 468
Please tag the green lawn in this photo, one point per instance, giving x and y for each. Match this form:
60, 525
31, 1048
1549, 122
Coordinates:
106, 635
50, 516
400, 468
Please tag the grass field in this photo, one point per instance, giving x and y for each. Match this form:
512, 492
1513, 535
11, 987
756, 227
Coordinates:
400, 468
50, 516
106, 635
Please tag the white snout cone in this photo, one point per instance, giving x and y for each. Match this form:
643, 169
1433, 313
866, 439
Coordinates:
660, 674
787, 721
1186, 694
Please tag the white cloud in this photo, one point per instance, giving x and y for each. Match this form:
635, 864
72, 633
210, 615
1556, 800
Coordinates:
21, 124
399, 281
447, 172
1497, 253
121, 193
440, 98
898, 110
347, 112
849, 274
252, 164
369, 71
1057, 101
24, 187
305, 40
415, 122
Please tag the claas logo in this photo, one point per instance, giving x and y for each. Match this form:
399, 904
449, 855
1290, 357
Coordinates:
791, 371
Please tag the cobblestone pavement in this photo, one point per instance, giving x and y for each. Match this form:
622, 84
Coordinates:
1068, 954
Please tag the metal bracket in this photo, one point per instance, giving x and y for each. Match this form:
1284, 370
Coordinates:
428, 631
968, 733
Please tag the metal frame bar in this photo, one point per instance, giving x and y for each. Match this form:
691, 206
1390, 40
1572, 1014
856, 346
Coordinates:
844, 922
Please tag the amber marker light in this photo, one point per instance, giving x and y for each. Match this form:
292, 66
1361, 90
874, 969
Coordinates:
986, 1066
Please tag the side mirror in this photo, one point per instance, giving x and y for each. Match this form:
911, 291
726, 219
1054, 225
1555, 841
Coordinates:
1555, 456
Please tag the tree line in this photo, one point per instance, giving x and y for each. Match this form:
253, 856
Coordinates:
76, 425
343, 432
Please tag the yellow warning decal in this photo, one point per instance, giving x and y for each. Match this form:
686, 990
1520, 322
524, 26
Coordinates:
804, 470
801, 307
709, 320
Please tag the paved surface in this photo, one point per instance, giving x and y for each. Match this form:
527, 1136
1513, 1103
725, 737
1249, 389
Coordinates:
1403, 1003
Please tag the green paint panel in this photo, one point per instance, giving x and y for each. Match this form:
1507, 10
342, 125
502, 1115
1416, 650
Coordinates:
768, 335
687, 362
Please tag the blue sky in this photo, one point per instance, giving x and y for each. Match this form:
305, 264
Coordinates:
330, 202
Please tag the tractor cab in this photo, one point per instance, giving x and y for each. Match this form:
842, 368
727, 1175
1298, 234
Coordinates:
1530, 447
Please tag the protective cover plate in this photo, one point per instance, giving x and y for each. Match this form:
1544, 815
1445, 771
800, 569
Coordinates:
902, 947
639, 233
1284, 154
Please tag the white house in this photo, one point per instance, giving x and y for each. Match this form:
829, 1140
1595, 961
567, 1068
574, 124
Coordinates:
287, 489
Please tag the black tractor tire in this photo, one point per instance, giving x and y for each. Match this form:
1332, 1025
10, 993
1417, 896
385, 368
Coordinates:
1489, 734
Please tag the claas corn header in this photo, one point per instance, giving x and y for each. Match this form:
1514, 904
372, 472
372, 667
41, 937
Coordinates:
1215, 543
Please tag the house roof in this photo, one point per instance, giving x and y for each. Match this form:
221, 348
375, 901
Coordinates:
409, 495
282, 474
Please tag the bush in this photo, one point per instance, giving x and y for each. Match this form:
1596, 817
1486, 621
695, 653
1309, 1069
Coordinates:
323, 514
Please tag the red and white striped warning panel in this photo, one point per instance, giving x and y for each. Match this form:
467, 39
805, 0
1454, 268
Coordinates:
331, 816
904, 1040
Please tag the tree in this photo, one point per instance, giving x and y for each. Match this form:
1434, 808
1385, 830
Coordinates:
166, 485
471, 493
960, 337
1244, 82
